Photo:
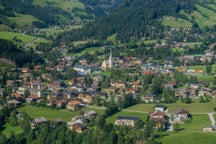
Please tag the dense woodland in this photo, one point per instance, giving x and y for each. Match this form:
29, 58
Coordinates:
134, 19
10, 51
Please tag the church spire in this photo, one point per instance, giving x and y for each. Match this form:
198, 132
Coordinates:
110, 59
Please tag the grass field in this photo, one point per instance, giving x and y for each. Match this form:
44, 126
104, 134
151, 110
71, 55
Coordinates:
90, 50
191, 132
112, 118
203, 16
189, 138
8, 129
194, 107
172, 22
23, 20
10, 35
66, 5
50, 114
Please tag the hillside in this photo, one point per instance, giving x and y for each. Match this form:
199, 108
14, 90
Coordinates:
135, 18
145, 19
42, 13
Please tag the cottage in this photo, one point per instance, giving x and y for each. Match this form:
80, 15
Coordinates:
150, 98
162, 108
13, 102
180, 115
126, 121
159, 118
37, 121
73, 105
78, 127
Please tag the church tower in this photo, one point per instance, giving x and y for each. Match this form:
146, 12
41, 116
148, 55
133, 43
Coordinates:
110, 60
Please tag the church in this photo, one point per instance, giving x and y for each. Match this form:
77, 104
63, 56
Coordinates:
107, 64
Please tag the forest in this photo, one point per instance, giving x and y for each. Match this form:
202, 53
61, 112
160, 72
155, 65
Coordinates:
133, 19
9, 51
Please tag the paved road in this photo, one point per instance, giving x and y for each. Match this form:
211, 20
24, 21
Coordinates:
170, 128
211, 117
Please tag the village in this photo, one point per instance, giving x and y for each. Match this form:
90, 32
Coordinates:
89, 86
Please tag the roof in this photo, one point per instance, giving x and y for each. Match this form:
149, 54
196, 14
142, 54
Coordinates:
74, 102
40, 119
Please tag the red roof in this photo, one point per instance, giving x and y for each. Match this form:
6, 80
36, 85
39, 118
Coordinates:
74, 103
16, 95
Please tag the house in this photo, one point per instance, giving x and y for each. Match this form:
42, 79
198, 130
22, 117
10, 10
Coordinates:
60, 103
73, 104
159, 118
150, 98
126, 121
162, 108
82, 70
13, 102
78, 127
180, 115
37, 121
31, 98
89, 114
16, 96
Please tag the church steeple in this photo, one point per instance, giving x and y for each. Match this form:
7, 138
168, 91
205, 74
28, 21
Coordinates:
110, 60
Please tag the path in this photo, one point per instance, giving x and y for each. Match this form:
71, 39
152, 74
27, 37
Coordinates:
30, 43
211, 117
170, 128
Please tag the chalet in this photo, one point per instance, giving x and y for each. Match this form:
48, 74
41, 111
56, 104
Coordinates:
159, 118
180, 115
78, 88
205, 92
60, 103
56, 85
73, 104
150, 98
211, 128
86, 97
78, 127
162, 108
37, 121
126, 121
31, 98
89, 114
37, 92
16, 96
118, 84
14, 102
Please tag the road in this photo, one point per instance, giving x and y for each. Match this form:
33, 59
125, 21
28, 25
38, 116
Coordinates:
211, 117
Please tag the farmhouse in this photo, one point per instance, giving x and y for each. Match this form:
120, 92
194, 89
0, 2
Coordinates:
180, 115
126, 121
159, 118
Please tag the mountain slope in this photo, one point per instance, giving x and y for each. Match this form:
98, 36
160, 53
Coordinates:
54, 12
135, 18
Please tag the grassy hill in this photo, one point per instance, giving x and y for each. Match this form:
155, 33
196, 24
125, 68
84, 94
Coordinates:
22, 13
204, 15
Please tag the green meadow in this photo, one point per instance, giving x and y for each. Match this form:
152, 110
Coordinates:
50, 114
175, 22
11, 35
194, 107
23, 20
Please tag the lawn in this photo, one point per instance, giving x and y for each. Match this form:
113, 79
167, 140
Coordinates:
112, 118
194, 107
191, 133
50, 114
178, 22
8, 129
11, 35
23, 20
67, 5
189, 138
90, 50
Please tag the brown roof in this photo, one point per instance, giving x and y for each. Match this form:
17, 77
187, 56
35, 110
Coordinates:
74, 103
181, 111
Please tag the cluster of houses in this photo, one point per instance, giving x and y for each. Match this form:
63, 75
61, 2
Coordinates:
159, 117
